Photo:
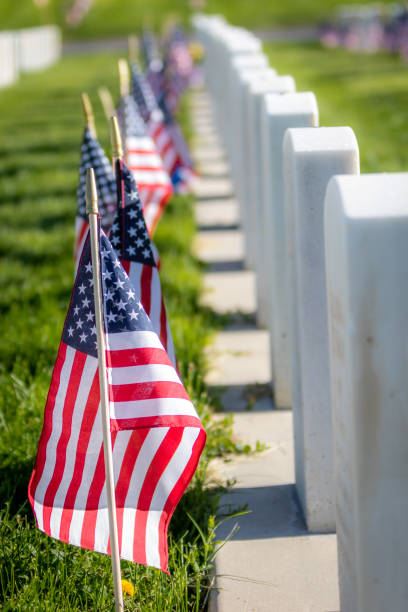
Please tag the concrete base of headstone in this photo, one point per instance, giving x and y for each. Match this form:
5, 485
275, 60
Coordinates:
366, 228
311, 157
279, 113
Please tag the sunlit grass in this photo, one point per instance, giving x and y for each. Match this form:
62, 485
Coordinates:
366, 92
41, 125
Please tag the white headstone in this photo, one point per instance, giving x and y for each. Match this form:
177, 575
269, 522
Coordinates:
366, 233
255, 86
8, 64
278, 114
311, 157
242, 152
257, 91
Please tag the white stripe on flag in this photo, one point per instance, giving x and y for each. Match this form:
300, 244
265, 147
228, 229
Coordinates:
145, 160
142, 374
155, 300
138, 143
152, 407
132, 340
150, 177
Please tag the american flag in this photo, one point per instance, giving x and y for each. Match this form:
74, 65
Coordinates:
170, 147
93, 156
143, 160
132, 244
179, 68
157, 437
184, 173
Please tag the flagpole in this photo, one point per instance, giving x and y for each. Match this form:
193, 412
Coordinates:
116, 142
107, 102
88, 114
124, 78
133, 46
92, 210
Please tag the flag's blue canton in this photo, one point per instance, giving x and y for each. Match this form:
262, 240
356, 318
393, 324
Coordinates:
151, 51
122, 308
93, 156
142, 92
129, 235
138, 93
130, 119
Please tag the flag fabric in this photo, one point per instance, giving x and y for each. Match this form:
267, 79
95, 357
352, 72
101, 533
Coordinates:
143, 160
93, 156
157, 437
179, 68
169, 141
184, 172
132, 244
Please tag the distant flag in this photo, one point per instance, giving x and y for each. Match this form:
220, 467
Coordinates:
143, 160
93, 156
184, 172
157, 437
132, 244
169, 141
179, 68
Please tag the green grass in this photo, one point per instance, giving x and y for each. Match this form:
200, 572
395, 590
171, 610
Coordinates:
41, 126
110, 18
366, 92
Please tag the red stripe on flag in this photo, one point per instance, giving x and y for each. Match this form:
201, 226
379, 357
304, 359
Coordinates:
47, 426
79, 238
88, 420
147, 390
134, 357
158, 465
163, 324
70, 398
122, 486
155, 421
146, 287
126, 265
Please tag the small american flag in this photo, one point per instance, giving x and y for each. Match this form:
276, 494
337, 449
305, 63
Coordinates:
165, 132
157, 437
184, 173
143, 160
93, 156
132, 244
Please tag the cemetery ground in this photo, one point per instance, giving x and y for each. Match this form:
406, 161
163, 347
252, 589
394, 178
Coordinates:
41, 125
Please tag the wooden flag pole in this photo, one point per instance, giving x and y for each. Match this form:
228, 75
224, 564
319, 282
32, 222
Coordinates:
116, 140
92, 210
88, 114
107, 102
133, 46
124, 78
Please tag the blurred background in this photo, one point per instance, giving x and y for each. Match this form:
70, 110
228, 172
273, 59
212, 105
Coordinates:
100, 18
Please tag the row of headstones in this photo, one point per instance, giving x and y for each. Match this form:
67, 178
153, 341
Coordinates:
330, 251
27, 50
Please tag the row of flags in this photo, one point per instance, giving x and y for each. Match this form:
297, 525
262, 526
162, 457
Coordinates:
156, 435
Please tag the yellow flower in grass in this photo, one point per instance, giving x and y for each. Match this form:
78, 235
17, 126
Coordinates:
128, 588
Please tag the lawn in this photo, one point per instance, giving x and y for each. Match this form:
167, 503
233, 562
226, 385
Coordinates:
111, 18
367, 92
41, 123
